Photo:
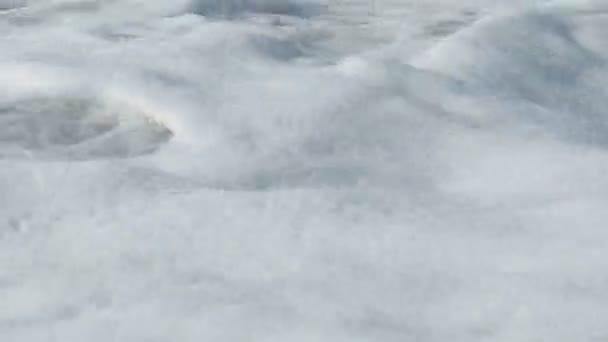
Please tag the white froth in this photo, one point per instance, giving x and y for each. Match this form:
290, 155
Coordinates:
303, 170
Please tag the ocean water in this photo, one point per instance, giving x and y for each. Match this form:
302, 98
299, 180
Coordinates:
303, 170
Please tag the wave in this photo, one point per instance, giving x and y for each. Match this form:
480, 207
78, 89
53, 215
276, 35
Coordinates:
541, 70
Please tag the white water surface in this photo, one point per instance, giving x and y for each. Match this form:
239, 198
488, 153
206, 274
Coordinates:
303, 170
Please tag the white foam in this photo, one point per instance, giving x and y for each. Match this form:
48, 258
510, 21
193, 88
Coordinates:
441, 180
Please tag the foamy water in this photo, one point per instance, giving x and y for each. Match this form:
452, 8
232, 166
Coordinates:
303, 170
